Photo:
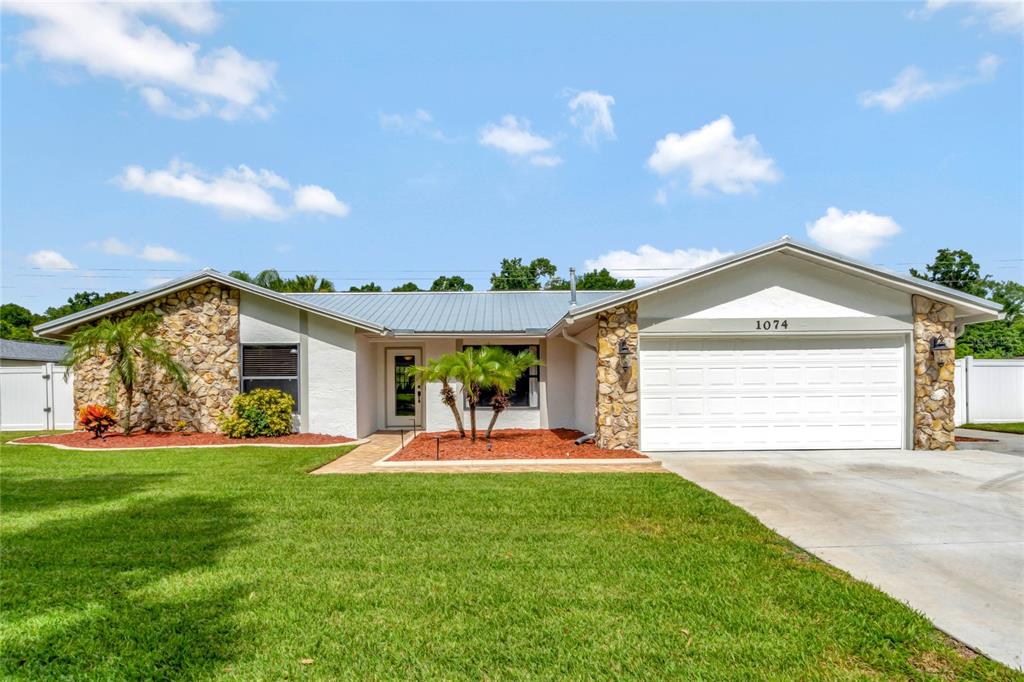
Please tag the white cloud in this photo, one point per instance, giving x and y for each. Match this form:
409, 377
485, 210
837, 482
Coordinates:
650, 263
49, 260
715, 158
122, 41
547, 160
592, 113
162, 254
854, 233
513, 136
113, 246
1001, 16
419, 121
241, 192
316, 199
661, 197
911, 85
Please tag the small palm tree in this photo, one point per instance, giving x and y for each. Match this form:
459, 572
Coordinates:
486, 367
509, 368
128, 342
439, 370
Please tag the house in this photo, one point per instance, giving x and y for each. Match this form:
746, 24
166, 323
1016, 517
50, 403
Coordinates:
784, 346
33, 393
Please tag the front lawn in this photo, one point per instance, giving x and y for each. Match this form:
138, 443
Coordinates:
1010, 427
234, 563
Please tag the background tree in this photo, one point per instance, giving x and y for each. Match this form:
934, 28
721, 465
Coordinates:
83, 300
370, 286
595, 280
454, 283
130, 345
408, 286
16, 322
997, 339
271, 279
517, 276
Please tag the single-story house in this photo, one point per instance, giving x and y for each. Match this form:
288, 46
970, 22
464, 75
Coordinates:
33, 393
785, 346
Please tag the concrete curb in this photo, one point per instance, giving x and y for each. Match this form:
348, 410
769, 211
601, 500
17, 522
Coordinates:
512, 462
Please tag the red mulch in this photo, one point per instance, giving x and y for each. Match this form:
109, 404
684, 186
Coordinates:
508, 444
969, 439
140, 439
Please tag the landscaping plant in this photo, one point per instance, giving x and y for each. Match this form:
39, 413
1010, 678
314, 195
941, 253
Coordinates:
440, 370
130, 345
97, 420
487, 367
261, 412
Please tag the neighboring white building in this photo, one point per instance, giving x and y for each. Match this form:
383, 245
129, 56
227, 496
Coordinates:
33, 393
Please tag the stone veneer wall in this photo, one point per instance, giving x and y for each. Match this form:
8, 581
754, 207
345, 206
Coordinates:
201, 327
933, 375
618, 405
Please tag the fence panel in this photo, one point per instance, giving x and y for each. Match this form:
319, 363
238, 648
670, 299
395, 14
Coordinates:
989, 390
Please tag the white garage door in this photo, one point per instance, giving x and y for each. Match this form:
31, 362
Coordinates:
771, 393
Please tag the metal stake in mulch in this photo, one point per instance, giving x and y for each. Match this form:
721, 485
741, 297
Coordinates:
490, 445
402, 436
437, 448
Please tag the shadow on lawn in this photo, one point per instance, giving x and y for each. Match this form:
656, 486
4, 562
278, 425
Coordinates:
23, 494
123, 594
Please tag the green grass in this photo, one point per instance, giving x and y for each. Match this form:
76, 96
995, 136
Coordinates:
233, 563
1011, 427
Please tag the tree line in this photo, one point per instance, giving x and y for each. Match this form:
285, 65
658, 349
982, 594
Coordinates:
954, 268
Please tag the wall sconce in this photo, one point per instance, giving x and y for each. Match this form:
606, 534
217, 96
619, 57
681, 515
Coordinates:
625, 355
938, 345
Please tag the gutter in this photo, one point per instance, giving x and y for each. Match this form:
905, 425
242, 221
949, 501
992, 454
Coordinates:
582, 344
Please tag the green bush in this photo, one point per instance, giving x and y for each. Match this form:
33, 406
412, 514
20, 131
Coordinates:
262, 412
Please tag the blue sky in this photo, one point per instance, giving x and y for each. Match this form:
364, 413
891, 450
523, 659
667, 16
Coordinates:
395, 142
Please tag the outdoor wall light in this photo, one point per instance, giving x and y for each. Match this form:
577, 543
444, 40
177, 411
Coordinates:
625, 356
938, 345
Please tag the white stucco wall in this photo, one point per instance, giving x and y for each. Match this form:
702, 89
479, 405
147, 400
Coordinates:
585, 382
366, 387
811, 296
331, 380
559, 372
264, 321
437, 416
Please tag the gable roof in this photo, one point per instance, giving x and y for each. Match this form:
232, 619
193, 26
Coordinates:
30, 350
455, 312
976, 308
56, 327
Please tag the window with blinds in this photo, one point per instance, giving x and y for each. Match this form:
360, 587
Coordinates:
275, 366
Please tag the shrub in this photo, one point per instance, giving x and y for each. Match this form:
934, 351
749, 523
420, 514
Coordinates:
97, 419
262, 412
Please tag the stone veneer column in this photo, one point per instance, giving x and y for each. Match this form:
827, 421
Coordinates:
201, 327
618, 407
933, 375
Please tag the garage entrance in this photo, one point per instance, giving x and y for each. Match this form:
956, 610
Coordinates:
756, 393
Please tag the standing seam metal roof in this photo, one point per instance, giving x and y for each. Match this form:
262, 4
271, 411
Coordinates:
469, 312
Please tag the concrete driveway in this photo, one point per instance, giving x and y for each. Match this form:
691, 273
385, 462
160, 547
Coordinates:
942, 532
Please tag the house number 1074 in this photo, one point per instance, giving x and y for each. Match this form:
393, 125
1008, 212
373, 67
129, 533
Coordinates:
769, 325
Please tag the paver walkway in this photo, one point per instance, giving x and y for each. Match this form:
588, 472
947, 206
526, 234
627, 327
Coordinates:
382, 444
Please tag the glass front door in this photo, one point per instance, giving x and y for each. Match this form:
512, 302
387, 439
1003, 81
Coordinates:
403, 394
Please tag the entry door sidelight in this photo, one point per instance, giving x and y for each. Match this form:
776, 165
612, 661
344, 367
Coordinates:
403, 394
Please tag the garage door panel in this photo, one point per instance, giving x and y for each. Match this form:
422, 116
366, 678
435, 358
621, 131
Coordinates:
788, 393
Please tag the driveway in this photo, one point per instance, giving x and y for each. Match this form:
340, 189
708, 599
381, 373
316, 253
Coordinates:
993, 441
942, 532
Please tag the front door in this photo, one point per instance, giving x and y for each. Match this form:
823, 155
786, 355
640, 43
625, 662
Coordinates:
403, 394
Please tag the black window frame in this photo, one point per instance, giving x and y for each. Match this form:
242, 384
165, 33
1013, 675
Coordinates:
297, 377
531, 374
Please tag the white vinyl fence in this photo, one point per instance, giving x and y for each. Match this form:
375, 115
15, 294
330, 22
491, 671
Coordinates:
989, 391
35, 397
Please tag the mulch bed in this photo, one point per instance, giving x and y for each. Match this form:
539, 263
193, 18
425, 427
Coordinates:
507, 444
85, 440
970, 439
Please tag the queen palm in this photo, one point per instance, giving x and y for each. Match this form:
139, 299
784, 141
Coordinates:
439, 370
130, 344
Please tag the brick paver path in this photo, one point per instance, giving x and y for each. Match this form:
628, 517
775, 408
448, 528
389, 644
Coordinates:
382, 444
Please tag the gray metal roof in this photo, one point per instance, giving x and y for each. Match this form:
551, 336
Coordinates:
468, 312
29, 350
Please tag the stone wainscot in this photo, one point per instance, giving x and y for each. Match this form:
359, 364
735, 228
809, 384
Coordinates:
933, 375
618, 405
200, 325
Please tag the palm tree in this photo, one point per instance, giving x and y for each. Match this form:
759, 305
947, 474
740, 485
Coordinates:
486, 367
439, 370
126, 342
510, 368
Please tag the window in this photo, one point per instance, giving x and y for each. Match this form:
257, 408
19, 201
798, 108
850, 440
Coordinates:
271, 367
526, 392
